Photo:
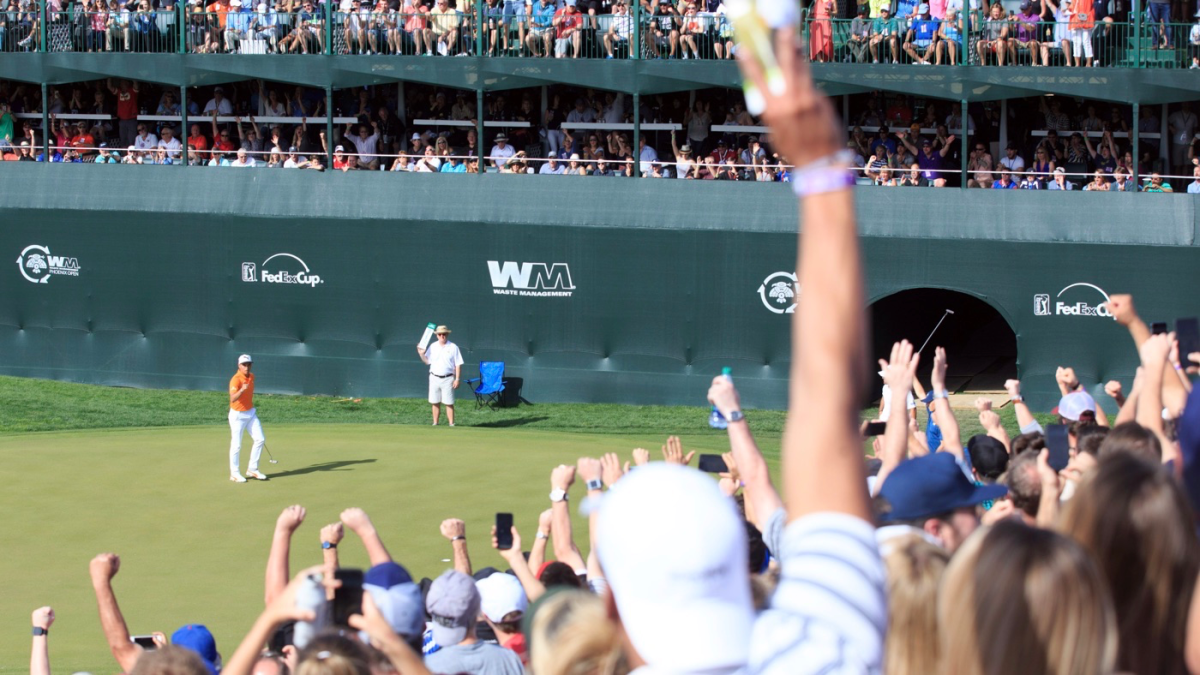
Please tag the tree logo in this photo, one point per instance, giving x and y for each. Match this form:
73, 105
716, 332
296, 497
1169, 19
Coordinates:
37, 264
778, 292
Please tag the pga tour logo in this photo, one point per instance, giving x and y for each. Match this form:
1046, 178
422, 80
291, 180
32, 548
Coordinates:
37, 264
542, 280
1078, 303
288, 269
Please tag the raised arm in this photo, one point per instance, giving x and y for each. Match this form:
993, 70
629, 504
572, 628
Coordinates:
590, 470
822, 455
39, 655
456, 531
1149, 407
899, 372
761, 497
357, 521
331, 536
537, 552
516, 562
1025, 419
951, 441
990, 422
561, 535
946, 145
103, 568
281, 544
280, 610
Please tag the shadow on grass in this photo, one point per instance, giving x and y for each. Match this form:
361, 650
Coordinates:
324, 466
515, 422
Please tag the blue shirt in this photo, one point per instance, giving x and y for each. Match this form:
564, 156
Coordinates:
448, 167
924, 30
543, 15
239, 20
997, 185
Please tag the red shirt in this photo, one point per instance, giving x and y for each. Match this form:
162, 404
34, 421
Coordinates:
198, 142
567, 20
340, 163
84, 142
516, 643
127, 108
224, 145
718, 156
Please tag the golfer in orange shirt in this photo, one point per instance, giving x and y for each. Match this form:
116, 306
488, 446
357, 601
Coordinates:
242, 417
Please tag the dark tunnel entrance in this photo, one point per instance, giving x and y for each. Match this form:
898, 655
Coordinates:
981, 347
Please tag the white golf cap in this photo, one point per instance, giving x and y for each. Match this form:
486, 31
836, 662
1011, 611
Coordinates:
674, 551
501, 594
245, 358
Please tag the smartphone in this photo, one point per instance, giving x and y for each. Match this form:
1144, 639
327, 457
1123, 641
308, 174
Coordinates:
1187, 333
713, 464
504, 523
347, 598
875, 429
1158, 328
144, 641
1059, 446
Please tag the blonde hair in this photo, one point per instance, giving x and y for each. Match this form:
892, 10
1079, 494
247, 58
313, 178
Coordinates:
914, 571
571, 634
333, 655
1018, 599
170, 660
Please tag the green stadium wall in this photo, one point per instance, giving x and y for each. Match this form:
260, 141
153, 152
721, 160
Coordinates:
647, 288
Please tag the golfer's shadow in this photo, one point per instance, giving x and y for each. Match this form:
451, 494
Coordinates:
324, 466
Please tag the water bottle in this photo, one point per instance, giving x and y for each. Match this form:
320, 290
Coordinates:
715, 419
311, 596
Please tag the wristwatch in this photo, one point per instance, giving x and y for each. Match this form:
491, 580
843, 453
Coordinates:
736, 416
558, 495
325, 545
594, 484
38, 630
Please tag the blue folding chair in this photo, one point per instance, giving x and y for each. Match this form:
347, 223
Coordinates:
491, 384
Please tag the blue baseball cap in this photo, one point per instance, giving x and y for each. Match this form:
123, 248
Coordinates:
397, 598
199, 639
932, 485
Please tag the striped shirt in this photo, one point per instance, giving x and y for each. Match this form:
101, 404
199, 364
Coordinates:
829, 612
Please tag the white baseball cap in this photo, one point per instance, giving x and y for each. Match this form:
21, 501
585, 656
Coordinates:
674, 551
245, 358
501, 594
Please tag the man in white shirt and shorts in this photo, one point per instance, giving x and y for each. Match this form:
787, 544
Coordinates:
445, 364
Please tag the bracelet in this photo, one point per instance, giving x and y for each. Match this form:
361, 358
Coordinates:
1178, 367
1017, 399
542, 535
457, 538
941, 394
822, 180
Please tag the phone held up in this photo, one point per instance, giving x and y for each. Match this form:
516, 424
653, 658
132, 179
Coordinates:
1059, 444
504, 524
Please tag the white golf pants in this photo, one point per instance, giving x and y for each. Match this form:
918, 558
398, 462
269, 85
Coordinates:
240, 422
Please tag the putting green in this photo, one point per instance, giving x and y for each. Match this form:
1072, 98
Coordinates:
193, 545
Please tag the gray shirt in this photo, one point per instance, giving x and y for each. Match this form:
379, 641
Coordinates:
479, 658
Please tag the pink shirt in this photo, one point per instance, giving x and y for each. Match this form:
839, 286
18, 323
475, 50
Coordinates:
937, 8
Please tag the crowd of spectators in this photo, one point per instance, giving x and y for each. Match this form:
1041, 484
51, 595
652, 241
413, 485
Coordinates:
1054, 143
1064, 549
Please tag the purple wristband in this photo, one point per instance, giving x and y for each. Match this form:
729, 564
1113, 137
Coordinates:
821, 180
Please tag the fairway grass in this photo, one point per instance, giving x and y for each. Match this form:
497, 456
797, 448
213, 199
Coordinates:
143, 473
194, 546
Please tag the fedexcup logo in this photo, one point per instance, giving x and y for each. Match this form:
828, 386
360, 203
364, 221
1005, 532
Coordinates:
286, 269
37, 264
778, 292
1080, 302
542, 280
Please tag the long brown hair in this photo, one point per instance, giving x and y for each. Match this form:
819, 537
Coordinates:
1017, 599
1137, 523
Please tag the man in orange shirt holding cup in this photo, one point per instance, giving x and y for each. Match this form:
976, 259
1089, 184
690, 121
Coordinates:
242, 417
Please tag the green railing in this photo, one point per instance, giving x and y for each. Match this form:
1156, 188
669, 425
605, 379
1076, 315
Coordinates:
506, 28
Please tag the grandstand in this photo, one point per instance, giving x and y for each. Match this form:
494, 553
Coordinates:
411, 88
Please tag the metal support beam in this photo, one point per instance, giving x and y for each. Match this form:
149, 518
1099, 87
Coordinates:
183, 131
330, 143
964, 143
45, 117
1137, 170
637, 133
479, 142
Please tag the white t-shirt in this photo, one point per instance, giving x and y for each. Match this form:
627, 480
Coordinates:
1012, 164
682, 168
887, 402
443, 359
147, 142
223, 108
173, 147
501, 155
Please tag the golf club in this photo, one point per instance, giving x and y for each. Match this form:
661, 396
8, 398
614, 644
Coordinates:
272, 457
939, 323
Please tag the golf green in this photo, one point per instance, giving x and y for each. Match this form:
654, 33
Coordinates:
193, 545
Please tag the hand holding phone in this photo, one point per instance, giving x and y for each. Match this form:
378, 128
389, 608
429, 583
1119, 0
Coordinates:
347, 598
712, 464
504, 525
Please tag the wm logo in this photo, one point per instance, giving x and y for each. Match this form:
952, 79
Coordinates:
529, 276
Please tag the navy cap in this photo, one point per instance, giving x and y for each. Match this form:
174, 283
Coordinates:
989, 457
199, 639
932, 485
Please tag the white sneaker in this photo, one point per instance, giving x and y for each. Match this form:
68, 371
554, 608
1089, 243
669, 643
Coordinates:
256, 475
452, 424
237, 478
